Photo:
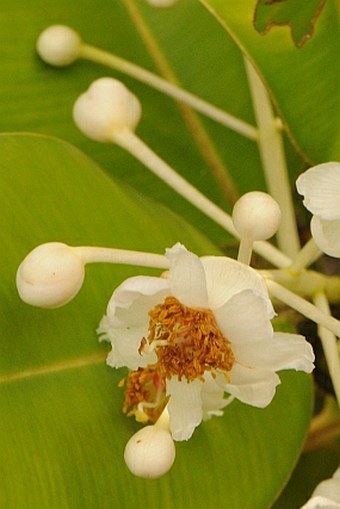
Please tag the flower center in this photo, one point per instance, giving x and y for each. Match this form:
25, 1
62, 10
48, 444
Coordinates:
145, 396
187, 342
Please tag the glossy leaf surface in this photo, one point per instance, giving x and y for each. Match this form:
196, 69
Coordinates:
62, 431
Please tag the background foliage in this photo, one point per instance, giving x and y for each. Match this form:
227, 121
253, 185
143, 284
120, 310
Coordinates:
62, 433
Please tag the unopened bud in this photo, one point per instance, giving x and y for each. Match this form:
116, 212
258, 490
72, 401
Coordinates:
150, 453
256, 216
59, 45
50, 275
106, 108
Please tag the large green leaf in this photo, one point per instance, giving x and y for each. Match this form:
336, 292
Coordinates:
304, 82
62, 432
36, 97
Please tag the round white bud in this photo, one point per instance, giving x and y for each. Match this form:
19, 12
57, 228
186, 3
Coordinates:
59, 45
150, 452
107, 107
256, 216
50, 275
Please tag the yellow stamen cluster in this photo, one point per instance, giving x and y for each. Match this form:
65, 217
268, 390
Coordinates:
144, 387
195, 343
188, 342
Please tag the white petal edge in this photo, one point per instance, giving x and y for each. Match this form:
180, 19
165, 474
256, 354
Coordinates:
283, 351
330, 488
244, 318
185, 407
226, 277
213, 399
127, 320
134, 298
320, 186
321, 503
187, 277
255, 387
326, 235
125, 345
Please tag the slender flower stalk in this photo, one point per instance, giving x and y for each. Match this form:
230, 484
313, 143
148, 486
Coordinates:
274, 164
60, 46
305, 257
109, 112
133, 144
117, 63
329, 344
303, 306
306, 283
124, 256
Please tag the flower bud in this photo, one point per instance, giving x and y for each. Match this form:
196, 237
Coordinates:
256, 216
105, 108
50, 275
59, 45
150, 452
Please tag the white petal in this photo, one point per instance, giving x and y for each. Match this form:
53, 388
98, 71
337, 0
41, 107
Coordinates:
330, 488
283, 351
185, 407
327, 235
321, 503
127, 320
103, 329
226, 277
244, 318
255, 387
134, 298
320, 186
213, 399
125, 345
187, 277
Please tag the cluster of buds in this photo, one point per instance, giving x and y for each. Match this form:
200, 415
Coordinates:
203, 328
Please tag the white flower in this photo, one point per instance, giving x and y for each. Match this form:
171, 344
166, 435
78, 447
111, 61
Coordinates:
326, 495
320, 187
193, 335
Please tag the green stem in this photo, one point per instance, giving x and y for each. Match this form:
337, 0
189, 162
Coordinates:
274, 163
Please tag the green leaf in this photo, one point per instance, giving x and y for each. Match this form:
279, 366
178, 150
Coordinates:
39, 98
62, 432
301, 21
304, 82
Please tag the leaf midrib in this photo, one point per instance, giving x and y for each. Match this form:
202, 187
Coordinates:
69, 364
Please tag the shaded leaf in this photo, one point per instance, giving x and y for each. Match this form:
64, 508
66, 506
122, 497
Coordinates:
304, 83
